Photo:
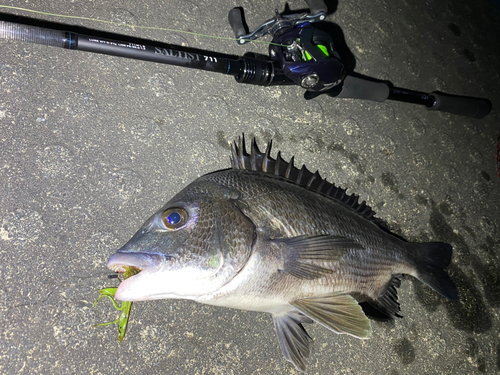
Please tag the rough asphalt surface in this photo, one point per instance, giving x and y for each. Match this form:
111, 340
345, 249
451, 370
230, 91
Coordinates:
91, 145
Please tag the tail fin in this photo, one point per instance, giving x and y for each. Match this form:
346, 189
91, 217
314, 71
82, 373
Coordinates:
432, 259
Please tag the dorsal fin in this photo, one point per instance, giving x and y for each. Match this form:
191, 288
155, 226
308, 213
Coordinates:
263, 162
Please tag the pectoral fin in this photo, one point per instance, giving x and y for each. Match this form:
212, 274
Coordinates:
303, 253
293, 339
338, 312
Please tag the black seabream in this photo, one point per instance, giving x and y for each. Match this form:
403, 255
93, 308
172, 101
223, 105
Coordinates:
267, 236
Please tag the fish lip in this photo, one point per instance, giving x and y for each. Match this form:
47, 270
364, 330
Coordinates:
141, 261
147, 263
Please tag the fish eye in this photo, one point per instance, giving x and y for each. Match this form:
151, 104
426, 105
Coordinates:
174, 218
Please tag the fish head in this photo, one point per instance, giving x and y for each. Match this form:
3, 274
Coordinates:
192, 246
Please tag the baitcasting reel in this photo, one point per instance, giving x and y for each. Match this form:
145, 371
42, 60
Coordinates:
305, 54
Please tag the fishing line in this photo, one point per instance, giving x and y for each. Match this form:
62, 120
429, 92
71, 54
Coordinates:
133, 27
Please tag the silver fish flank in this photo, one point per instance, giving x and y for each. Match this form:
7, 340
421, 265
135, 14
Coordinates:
267, 236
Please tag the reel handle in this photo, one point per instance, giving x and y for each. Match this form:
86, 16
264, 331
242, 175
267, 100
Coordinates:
316, 7
235, 18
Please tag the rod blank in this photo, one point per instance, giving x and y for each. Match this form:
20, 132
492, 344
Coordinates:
35, 34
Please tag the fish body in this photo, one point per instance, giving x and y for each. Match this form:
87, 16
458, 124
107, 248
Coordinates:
267, 236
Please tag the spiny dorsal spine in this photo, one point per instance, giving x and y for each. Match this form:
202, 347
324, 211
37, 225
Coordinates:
263, 162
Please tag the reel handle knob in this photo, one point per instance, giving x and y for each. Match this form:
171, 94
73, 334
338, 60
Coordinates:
235, 18
317, 6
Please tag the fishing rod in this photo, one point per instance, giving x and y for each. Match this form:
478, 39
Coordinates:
299, 54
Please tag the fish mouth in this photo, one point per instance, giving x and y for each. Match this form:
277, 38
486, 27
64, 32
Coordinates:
120, 262
134, 267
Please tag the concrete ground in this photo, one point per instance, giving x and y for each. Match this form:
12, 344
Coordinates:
91, 145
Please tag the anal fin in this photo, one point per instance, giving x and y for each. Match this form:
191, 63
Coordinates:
338, 312
387, 303
294, 341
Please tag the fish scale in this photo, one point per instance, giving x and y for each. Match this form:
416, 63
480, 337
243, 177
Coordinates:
267, 236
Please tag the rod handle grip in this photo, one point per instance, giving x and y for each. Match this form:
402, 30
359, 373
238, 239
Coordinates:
235, 18
461, 105
359, 88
